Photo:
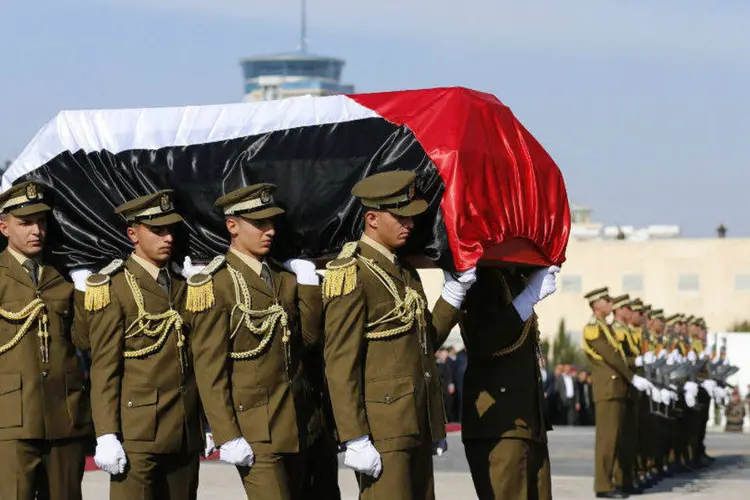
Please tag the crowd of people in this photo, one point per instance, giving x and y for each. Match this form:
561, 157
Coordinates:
568, 396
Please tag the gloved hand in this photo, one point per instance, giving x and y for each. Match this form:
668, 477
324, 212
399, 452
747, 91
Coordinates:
641, 384
692, 357
666, 396
674, 396
689, 399
109, 456
649, 358
454, 289
719, 395
656, 396
188, 269
662, 354
79, 277
639, 361
237, 452
362, 456
691, 388
710, 386
541, 284
304, 270
702, 355
210, 445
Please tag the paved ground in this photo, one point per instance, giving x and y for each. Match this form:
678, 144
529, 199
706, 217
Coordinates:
571, 451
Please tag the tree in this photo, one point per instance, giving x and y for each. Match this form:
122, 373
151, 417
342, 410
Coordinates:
740, 326
565, 350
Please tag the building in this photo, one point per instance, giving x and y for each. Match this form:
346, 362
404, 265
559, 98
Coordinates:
293, 74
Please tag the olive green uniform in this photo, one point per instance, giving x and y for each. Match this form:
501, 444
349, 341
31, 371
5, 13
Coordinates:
380, 340
253, 383
142, 381
503, 426
45, 417
611, 377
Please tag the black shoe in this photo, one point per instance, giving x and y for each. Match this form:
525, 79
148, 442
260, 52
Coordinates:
633, 490
708, 458
613, 494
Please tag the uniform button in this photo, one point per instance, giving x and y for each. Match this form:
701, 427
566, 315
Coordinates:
45, 373
614, 377
502, 389
427, 375
240, 407
387, 398
130, 404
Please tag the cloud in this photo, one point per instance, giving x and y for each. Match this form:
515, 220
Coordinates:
681, 28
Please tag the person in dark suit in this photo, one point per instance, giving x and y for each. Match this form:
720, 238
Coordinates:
584, 399
566, 390
447, 370
549, 392
462, 360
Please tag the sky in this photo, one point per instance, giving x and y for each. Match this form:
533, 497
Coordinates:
644, 105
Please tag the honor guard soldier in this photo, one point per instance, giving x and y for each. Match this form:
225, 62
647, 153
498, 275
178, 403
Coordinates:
380, 340
253, 320
503, 426
611, 376
45, 418
144, 396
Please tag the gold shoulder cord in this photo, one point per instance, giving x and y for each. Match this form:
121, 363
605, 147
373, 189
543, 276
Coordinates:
527, 327
35, 311
405, 311
270, 318
611, 340
154, 326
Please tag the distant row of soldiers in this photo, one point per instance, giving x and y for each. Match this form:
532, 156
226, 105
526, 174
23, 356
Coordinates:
653, 381
286, 371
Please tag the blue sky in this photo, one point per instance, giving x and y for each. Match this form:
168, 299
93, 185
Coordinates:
643, 104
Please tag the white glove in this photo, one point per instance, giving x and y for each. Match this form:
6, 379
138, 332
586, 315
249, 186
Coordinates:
656, 396
641, 384
188, 269
702, 356
304, 270
639, 361
362, 456
210, 445
691, 388
541, 284
110, 457
675, 397
666, 396
709, 385
649, 358
719, 395
689, 399
79, 278
663, 353
237, 452
692, 357
454, 290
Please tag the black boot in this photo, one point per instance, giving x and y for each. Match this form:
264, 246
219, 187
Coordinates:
613, 494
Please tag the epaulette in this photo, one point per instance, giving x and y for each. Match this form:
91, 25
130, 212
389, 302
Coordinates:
341, 273
591, 330
200, 292
97, 296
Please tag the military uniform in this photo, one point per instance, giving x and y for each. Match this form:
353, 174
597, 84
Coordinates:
503, 426
45, 417
611, 376
249, 340
142, 380
380, 340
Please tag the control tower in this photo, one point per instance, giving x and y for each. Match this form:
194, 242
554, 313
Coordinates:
293, 74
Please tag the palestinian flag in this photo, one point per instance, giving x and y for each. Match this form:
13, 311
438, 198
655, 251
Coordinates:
495, 195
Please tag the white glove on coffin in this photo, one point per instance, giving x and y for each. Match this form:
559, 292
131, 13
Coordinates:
110, 456
362, 456
692, 357
639, 361
210, 445
649, 358
237, 452
454, 290
188, 269
689, 400
541, 285
79, 278
304, 270
691, 388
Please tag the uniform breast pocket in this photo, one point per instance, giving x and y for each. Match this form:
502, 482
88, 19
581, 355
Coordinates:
251, 408
77, 398
138, 413
11, 402
391, 408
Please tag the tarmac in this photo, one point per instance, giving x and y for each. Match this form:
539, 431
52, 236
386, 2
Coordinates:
571, 455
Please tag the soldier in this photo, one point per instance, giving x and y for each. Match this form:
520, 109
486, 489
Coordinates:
380, 340
611, 376
503, 427
45, 418
254, 319
142, 381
